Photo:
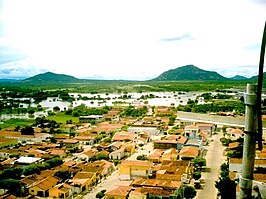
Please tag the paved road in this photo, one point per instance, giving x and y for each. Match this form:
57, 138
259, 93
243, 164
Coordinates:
214, 160
105, 184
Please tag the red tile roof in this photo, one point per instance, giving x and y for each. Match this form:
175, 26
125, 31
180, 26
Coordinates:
121, 191
189, 151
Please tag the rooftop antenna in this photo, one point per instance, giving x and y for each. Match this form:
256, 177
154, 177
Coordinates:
253, 127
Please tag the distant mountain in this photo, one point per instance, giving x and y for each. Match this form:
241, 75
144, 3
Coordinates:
256, 77
189, 72
239, 77
50, 77
8, 80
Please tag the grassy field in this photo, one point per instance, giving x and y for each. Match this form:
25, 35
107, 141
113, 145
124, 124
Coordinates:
62, 118
13, 123
7, 142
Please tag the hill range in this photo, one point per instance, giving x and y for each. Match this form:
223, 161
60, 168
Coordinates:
183, 73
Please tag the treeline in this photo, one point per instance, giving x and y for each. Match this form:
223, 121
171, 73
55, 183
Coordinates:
237, 106
83, 110
37, 95
103, 86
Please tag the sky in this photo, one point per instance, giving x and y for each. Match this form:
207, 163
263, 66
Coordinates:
129, 39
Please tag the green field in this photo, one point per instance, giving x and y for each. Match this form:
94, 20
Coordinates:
7, 142
61, 117
13, 123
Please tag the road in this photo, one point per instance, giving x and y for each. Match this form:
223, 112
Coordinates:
113, 179
214, 160
105, 184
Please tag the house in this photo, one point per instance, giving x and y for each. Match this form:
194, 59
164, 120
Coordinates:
87, 155
123, 136
160, 155
129, 148
149, 192
41, 187
90, 119
189, 152
170, 185
195, 142
120, 192
141, 141
115, 146
155, 157
150, 131
111, 115
169, 154
174, 170
181, 140
234, 134
100, 167
191, 131
71, 143
62, 190
235, 164
132, 169
165, 144
85, 140
59, 152
118, 154
206, 127
24, 160
83, 181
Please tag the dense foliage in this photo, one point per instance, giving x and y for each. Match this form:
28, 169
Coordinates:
83, 110
225, 186
134, 112
228, 106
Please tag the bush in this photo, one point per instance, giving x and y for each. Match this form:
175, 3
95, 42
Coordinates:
197, 175
225, 141
142, 157
200, 162
99, 195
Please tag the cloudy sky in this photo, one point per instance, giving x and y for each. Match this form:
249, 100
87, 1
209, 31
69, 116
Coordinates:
129, 39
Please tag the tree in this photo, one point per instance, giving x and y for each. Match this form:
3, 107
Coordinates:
99, 195
197, 175
32, 169
12, 185
225, 186
189, 192
54, 162
142, 157
56, 108
28, 130
64, 175
53, 140
199, 162
14, 173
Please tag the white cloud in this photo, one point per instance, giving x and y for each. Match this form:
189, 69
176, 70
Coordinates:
127, 39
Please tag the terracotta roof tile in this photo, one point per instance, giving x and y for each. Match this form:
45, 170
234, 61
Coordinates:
190, 151
121, 191
136, 163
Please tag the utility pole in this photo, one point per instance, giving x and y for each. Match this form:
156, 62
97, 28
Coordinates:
249, 148
253, 127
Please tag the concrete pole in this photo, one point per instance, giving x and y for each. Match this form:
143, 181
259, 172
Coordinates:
249, 147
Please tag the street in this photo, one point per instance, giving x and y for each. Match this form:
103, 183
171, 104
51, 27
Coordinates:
105, 184
214, 160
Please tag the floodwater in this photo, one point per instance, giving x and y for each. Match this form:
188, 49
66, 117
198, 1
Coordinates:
160, 99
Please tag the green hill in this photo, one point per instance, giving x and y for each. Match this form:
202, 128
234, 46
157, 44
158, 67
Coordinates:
50, 77
239, 77
189, 72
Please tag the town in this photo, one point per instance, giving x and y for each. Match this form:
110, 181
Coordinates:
134, 151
